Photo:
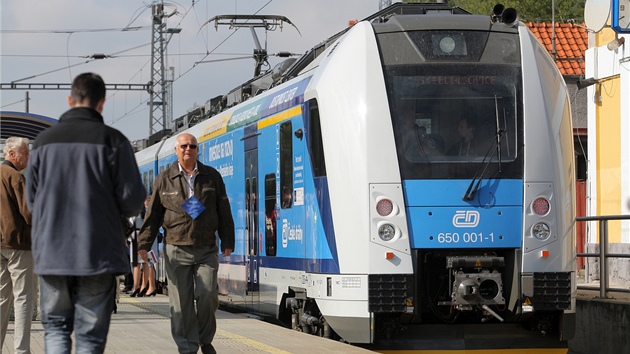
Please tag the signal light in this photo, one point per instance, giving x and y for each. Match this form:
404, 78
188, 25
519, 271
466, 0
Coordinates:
384, 207
389, 255
540, 206
544, 253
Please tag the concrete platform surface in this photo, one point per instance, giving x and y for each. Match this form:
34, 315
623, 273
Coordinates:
142, 325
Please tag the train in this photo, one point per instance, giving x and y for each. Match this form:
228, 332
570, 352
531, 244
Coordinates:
407, 180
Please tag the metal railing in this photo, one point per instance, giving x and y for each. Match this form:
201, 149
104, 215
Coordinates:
603, 254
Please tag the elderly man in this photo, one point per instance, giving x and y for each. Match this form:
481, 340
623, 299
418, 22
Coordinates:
17, 281
190, 202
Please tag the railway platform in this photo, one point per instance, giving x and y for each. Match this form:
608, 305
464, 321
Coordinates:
142, 325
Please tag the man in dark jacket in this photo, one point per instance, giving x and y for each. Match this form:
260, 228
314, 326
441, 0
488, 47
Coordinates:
190, 202
17, 281
82, 180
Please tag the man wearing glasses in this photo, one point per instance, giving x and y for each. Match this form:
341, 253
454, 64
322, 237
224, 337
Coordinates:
191, 204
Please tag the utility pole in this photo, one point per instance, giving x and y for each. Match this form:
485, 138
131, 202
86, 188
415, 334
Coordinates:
157, 87
169, 96
160, 88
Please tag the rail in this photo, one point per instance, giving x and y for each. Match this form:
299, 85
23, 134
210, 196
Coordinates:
603, 254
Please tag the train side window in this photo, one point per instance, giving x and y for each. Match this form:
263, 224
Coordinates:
315, 144
254, 211
151, 174
248, 227
286, 164
270, 214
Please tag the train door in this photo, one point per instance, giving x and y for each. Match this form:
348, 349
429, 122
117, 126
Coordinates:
251, 206
291, 171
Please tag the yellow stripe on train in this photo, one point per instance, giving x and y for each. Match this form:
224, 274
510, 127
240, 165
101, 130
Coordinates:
277, 118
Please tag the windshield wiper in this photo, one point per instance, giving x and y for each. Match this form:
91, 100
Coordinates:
498, 134
470, 192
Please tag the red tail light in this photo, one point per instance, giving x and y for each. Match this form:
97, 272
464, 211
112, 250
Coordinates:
384, 207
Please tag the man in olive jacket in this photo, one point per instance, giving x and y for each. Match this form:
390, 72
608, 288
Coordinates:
190, 202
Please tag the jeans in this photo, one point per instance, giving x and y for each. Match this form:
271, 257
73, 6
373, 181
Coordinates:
83, 304
193, 294
17, 288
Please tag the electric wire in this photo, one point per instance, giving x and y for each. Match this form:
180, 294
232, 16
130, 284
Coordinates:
70, 31
137, 14
11, 104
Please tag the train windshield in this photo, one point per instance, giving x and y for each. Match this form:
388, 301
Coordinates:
452, 116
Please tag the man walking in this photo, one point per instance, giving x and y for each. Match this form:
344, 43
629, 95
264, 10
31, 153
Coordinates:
82, 180
190, 202
17, 282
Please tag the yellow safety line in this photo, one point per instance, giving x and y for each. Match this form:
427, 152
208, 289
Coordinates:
243, 340
250, 342
141, 304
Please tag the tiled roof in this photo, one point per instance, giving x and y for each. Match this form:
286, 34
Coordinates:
571, 43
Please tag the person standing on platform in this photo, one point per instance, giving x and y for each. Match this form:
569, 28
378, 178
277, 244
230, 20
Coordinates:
82, 181
191, 204
143, 272
17, 281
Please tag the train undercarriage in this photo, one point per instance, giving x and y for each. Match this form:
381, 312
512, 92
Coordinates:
470, 301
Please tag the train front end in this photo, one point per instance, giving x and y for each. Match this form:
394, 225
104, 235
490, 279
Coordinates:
482, 126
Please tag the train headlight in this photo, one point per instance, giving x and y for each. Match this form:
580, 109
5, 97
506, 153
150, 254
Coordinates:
447, 44
540, 206
541, 231
386, 232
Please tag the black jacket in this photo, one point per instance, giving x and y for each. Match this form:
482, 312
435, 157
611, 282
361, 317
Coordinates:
82, 177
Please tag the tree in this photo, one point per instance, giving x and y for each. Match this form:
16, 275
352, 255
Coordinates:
528, 10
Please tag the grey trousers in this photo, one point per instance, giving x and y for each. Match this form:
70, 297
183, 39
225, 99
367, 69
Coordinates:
193, 294
17, 288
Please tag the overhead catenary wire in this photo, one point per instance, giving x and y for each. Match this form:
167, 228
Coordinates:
181, 16
211, 52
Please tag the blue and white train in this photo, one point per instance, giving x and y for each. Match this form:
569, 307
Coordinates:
412, 179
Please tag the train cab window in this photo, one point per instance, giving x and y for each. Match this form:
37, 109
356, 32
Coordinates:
286, 164
271, 234
316, 147
450, 121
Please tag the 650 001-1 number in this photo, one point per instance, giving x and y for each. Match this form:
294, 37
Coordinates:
466, 237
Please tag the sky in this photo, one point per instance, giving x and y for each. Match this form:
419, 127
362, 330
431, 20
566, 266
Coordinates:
52, 41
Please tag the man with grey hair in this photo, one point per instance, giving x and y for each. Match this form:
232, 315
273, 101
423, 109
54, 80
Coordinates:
17, 281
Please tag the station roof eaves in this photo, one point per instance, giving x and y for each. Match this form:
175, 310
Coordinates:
26, 125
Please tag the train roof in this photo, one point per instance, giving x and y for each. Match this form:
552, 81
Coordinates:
439, 22
394, 16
